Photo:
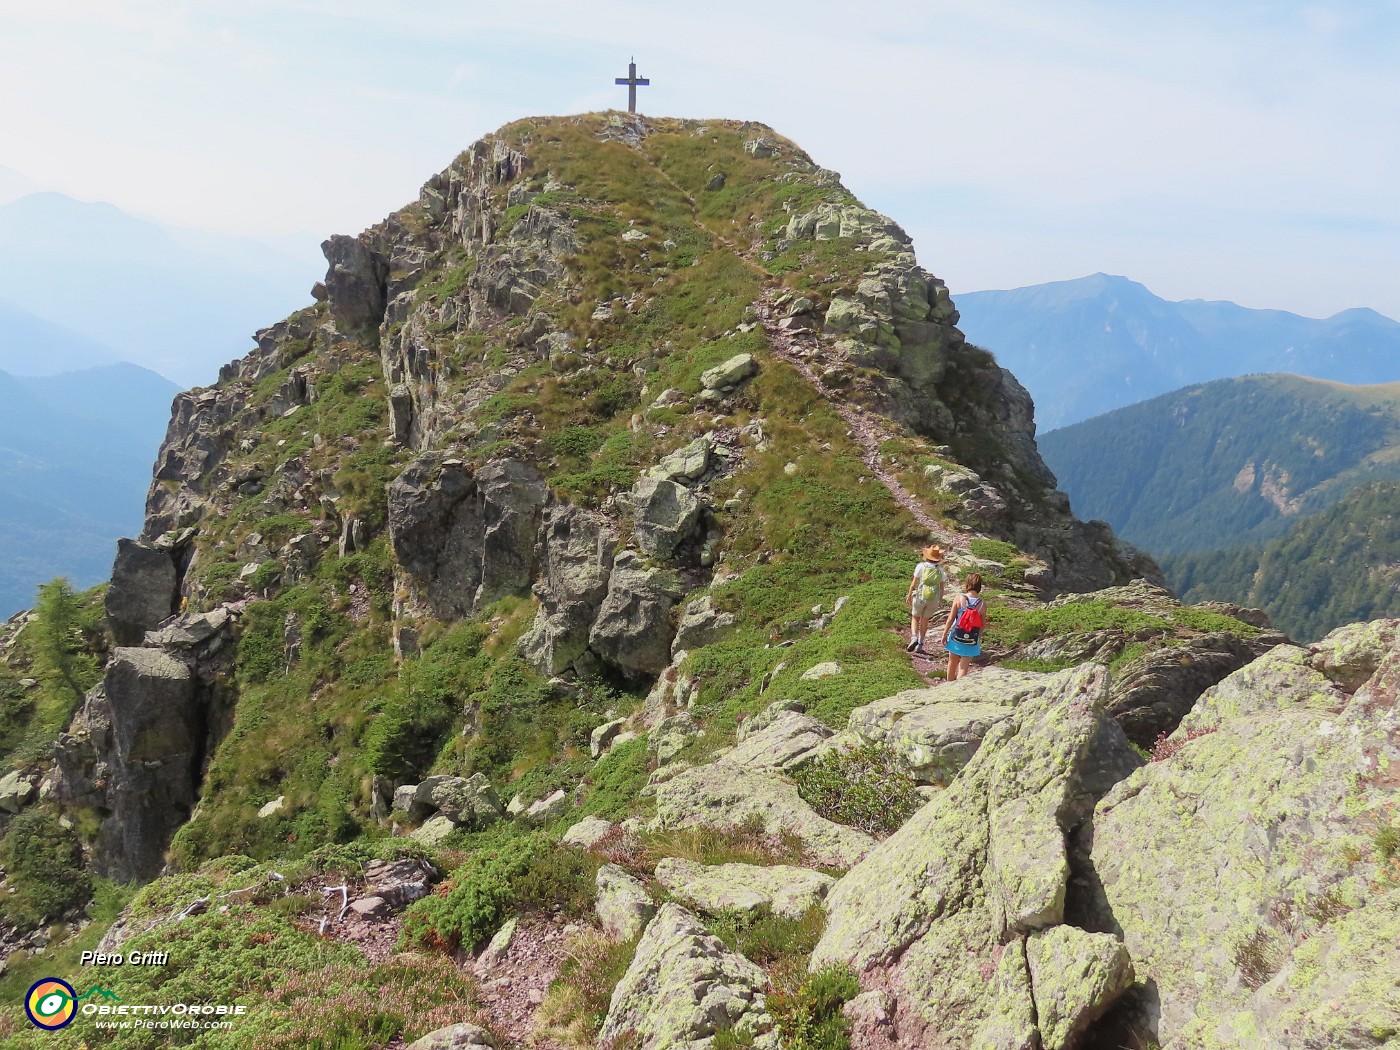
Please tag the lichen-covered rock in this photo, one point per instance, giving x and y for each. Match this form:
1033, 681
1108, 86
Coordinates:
455, 1037
701, 624
15, 791
469, 801
1157, 690
587, 832
603, 736
665, 515
1075, 977
982, 864
1274, 789
354, 284
434, 830
779, 889
730, 373
786, 742
725, 796
938, 730
551, 807
623, 905
683, 986
687, 463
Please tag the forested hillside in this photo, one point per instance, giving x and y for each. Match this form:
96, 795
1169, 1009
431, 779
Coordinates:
1227, 462
1328, 569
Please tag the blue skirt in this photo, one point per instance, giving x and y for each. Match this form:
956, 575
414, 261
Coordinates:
958, 648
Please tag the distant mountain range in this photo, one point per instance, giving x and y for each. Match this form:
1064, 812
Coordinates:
1088, 346
177, 302
75, 460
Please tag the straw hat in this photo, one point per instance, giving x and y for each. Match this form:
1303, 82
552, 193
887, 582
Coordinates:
933, 552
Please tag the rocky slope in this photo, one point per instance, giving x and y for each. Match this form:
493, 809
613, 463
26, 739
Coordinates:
550, 568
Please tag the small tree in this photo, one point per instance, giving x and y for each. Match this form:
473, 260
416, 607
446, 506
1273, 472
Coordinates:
56, 638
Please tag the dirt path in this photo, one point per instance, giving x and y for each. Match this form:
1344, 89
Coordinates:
513, 989
867, 430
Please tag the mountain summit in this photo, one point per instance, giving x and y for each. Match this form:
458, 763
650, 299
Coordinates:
556, 559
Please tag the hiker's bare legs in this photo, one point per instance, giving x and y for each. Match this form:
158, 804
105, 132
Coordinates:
955, 664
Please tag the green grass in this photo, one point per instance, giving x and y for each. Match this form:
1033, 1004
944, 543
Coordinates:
1011, 626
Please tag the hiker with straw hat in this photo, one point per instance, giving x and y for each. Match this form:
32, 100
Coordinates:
925, 597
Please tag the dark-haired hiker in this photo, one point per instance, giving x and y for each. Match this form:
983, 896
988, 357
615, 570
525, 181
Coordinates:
964, 645
925, 596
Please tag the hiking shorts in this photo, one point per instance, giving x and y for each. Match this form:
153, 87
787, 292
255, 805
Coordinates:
921, 608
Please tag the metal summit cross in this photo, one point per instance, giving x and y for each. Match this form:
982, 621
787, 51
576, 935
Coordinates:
632, 80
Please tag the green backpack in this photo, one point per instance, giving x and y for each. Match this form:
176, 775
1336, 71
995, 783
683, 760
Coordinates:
930, 589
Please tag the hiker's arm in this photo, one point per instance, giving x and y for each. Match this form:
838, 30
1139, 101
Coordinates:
952, 612
913, 582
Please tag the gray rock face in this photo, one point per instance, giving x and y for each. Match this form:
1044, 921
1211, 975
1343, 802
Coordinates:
156, 747
666, 514
956, 896
633, 630
551, 807
684, 986
623, 905
465, 540
576, 559
142, 592
354, 284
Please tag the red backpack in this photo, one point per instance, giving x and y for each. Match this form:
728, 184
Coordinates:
967, 628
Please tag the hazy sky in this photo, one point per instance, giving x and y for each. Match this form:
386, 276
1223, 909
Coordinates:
1246, 151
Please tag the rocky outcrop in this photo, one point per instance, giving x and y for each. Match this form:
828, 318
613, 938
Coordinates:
938, 730
683, 986
633, 629
150, 750
1156, 691
575, 559
355, 284
461, 1036
665, 515
956, 904
143, 591
1274, 785
623, 905
464, 538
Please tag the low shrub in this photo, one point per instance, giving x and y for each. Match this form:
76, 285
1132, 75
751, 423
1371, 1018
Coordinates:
577, 1002
44, 863
868, 787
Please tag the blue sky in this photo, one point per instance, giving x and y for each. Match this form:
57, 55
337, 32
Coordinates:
1248, 151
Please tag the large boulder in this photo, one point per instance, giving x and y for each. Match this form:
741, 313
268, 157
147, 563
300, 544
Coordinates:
143, 590
623, 905
683, 986
469, 801
725, 796
951, 905
461, 1036
633, 630
465, 538
575, 561
937, 730
665, 514
701, 624
1274, 786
